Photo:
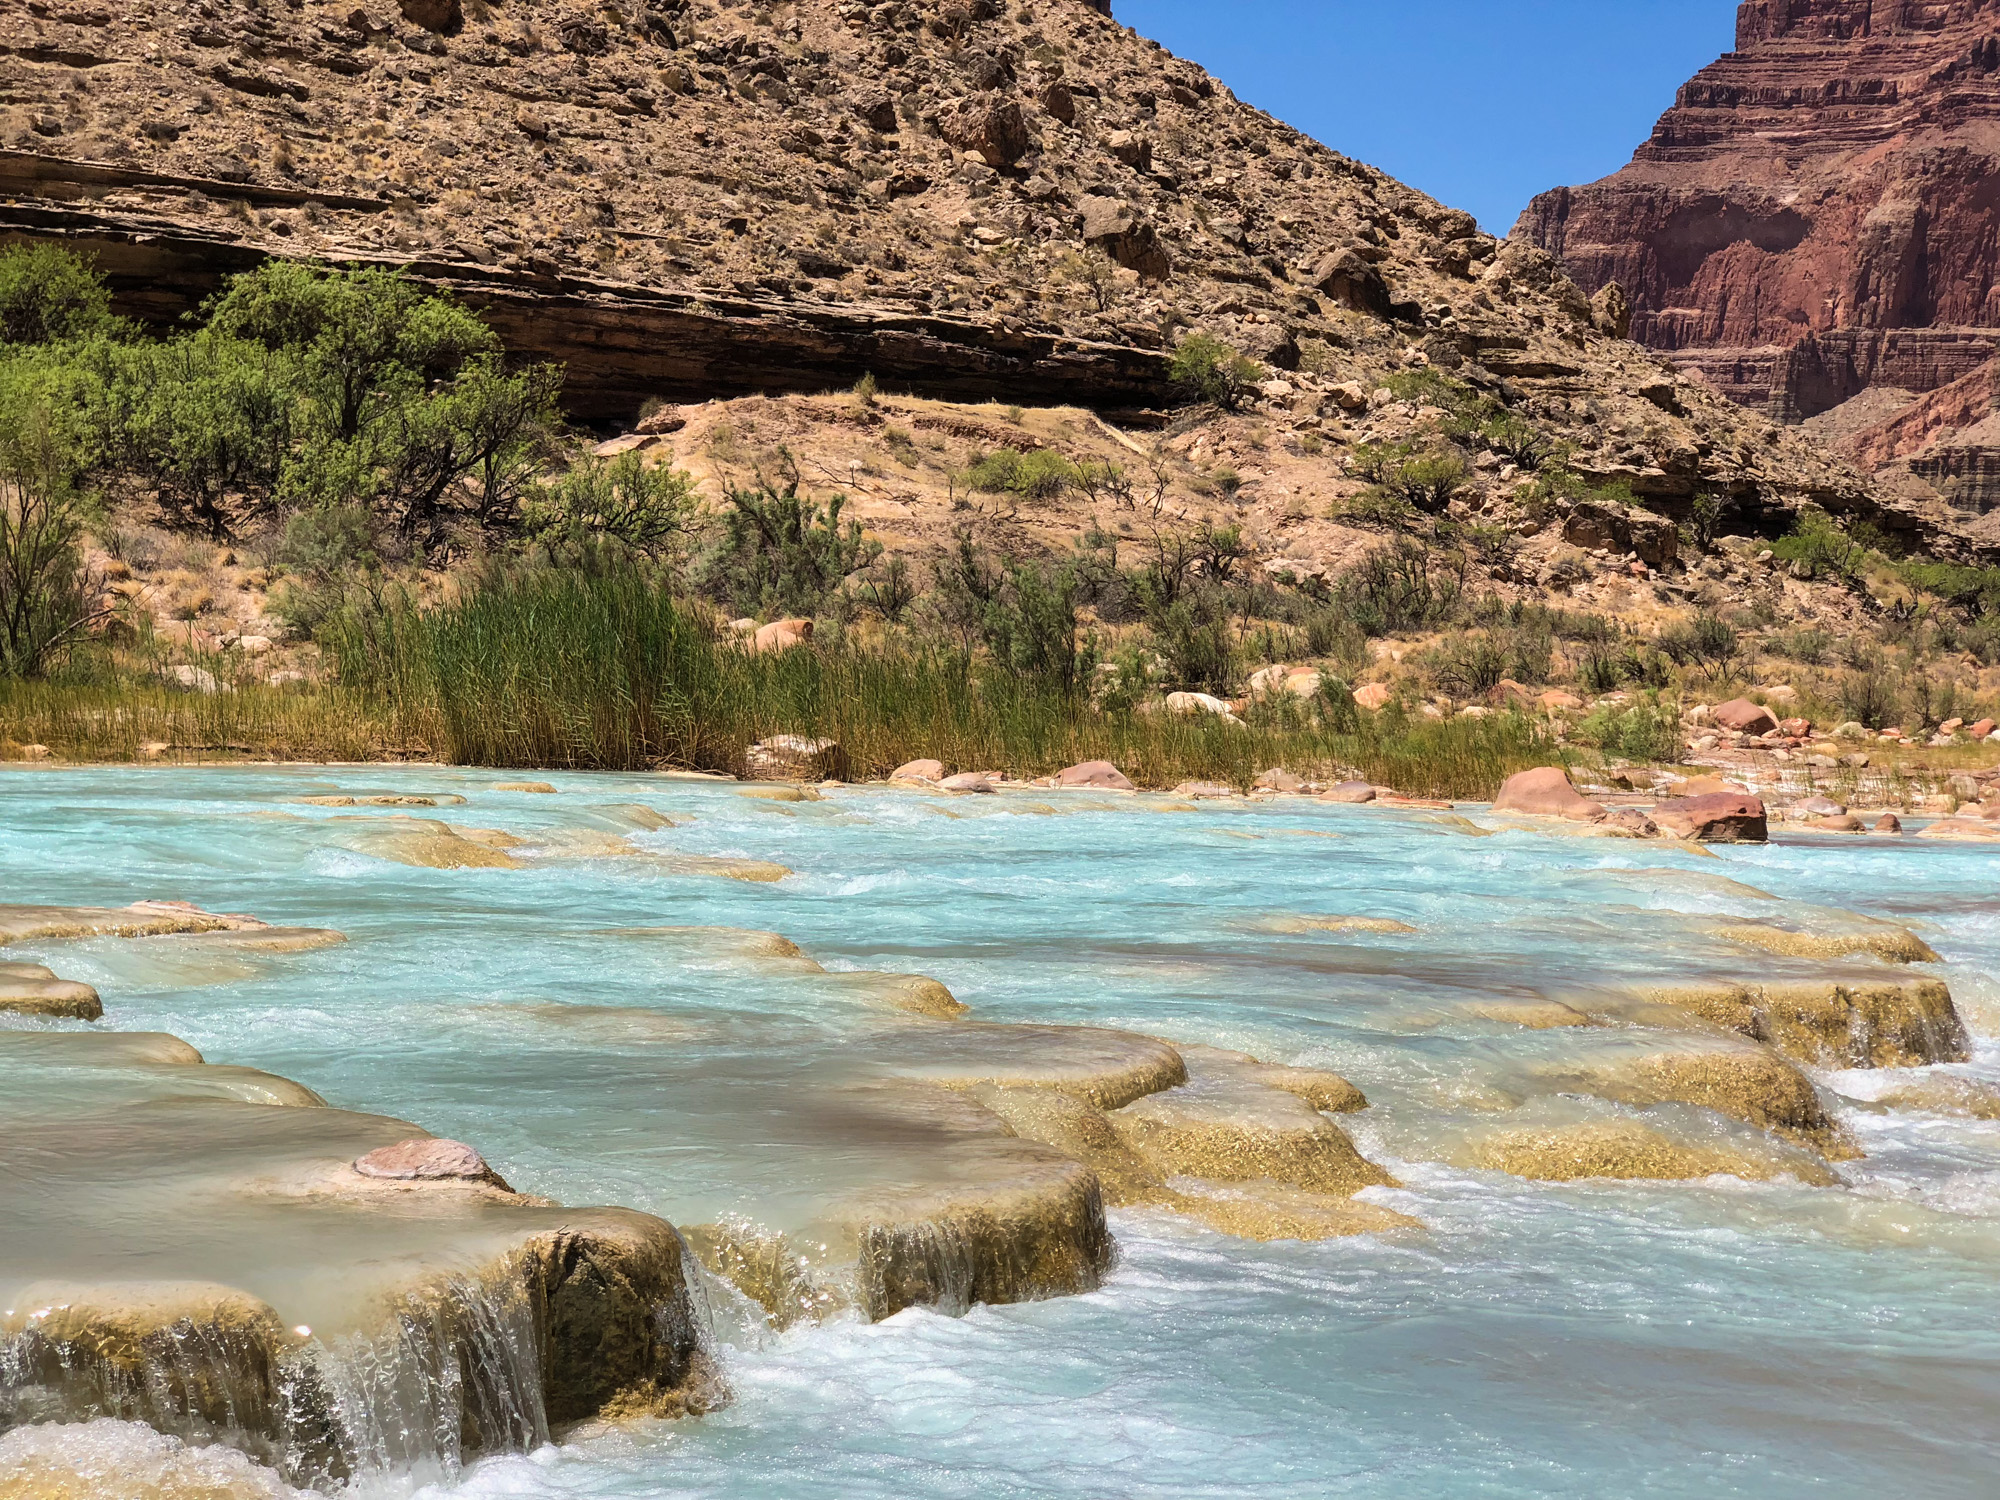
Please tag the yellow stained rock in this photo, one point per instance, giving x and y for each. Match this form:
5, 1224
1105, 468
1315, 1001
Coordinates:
1302, 922
1271, 1211
541, 787
1896, 945
742, 941
754, 871
1228, 1129
913, 994
1841, 1023
1318, 1087
1535, 1015
32, 990
1627, 1149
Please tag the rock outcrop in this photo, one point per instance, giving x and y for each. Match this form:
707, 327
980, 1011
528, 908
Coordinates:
701, 201
1811, 228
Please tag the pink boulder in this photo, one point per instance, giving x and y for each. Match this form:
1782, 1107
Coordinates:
1981, 729
1546, 793
918, 770
428, 1159
782, 635
1745, 717
1278, 779
1887, 823
1718, 818
1796, 729
968, 781
1633, 821
1837, 823
1821, 807
1372, 696
1349, 791
1097, 773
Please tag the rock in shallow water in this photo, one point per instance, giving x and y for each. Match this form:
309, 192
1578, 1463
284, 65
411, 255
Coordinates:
297, 1309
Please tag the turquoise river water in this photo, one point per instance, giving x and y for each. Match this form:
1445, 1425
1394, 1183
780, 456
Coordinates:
1703, 1338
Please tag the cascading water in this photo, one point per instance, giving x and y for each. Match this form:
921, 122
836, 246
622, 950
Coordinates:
1712, 1336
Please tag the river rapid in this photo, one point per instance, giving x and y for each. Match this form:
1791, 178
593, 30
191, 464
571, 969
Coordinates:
1709, 1337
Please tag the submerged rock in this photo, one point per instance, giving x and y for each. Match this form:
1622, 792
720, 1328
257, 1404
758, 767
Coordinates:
1302, 922
540, 788
980, 1216
1887, 941
1272, 1211
104, 1458
1944, 1094
1535, 1015
1744, 1081
1629, 1149
32, 990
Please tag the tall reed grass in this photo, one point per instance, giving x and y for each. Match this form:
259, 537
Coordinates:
604, 669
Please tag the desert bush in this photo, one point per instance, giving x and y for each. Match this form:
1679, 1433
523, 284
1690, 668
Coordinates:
1403, 588
782, 552
649, 509
1206, 370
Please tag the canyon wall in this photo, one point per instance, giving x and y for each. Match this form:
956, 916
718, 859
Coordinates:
1816, 218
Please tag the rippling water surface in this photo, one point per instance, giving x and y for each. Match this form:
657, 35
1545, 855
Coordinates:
1709, 1338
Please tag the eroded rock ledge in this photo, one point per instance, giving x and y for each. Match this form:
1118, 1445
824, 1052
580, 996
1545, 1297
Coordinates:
325, 1321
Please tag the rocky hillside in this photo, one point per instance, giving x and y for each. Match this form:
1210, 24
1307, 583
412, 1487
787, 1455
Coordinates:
1812, 228
693, 200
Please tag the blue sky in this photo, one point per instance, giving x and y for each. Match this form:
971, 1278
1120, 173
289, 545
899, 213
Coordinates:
1480, 103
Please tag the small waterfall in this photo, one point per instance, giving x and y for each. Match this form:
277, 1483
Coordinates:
455, 1369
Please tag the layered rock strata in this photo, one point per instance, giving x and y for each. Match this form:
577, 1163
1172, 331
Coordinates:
1026, 203
1811, 227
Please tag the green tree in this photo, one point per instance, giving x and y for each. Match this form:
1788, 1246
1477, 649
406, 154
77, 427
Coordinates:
48, 599
48, 295
361, 336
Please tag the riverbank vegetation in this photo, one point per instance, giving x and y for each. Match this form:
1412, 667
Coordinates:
450, 572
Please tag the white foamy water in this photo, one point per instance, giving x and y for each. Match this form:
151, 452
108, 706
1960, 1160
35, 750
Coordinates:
1708, 1338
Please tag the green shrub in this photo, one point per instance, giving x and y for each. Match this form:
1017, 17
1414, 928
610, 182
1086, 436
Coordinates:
784, 553
1817, 548
1193, 635
1036, 475
649, 509
48, 599
1206, 370
1403, 588
48, 295
1709, 642
1642, 731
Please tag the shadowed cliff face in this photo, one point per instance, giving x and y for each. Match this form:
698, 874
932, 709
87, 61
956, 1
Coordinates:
1815, 217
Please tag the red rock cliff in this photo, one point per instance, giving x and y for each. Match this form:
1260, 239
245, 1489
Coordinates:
1818, 214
